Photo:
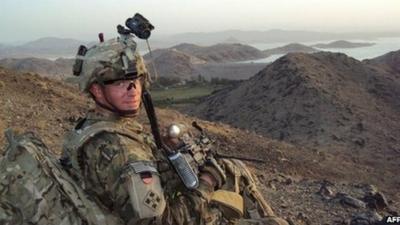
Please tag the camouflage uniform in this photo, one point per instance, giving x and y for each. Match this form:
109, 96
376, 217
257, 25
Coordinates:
102, 158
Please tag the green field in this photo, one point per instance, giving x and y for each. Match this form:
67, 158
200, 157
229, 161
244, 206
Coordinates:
182, 95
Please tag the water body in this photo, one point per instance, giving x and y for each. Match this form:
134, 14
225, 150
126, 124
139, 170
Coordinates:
381, 47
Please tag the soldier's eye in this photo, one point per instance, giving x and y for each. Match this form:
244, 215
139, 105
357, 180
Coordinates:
118, 83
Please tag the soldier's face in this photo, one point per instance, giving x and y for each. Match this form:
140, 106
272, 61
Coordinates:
124, 94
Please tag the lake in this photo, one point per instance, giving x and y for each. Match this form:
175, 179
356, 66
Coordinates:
381, 47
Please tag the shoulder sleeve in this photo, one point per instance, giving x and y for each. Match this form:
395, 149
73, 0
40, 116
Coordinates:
102, 159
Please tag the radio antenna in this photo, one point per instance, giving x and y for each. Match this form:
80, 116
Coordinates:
152, 62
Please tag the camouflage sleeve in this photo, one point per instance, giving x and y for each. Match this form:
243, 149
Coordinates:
9, 215
102, 160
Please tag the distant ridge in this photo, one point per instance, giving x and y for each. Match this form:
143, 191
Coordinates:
272, 36
343, 44
290, 48
48, 47
217, 53
188, 61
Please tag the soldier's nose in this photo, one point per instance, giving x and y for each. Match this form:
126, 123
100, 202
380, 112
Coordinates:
131, 85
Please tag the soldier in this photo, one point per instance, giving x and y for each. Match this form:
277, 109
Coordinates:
115, 162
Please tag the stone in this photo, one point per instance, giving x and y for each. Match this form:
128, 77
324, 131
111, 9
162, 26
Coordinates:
393, 212
360, 221
288, 181
366, 218
376, 201
271, 185
370, 189
325, 191
348, 200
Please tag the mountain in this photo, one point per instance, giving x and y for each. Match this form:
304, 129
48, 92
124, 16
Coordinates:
343, 44
48, 47
218, 53
290, 48
51, 43
390, 60
187, 61
232, 40
174, 63
311, 98
324, 101
188, 48
184, 48
224, 52
57, 68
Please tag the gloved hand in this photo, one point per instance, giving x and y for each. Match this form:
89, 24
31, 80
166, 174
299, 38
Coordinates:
206, 186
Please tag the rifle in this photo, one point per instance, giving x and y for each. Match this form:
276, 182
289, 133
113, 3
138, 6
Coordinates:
204, 138
192, 154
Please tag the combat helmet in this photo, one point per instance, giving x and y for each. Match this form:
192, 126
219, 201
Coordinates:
108, 61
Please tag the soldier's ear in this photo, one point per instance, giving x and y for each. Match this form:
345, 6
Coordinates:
96, 91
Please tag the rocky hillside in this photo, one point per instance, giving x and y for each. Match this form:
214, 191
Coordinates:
290, 48
310, 96
390, 61
60, 67
173, 63
220, 53
302, 185
223, 52
323, 101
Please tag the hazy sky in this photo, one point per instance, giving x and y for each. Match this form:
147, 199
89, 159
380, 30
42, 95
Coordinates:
22, 20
